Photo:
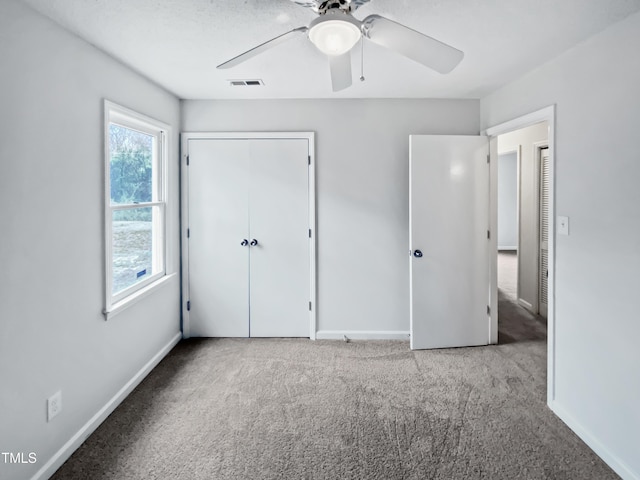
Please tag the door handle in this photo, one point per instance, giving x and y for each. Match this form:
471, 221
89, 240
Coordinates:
254, 242
417, 253
244, 242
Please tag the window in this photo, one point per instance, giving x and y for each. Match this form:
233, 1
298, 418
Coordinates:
135, 200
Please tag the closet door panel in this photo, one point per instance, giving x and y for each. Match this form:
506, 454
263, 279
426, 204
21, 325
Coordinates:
279, 222
218, 222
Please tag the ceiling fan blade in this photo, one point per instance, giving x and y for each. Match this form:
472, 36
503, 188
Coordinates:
340, 66
262, 47
412, 44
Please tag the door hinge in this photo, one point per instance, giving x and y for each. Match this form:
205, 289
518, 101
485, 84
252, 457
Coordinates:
188, 305
309, 158
488, 158
309, 306
488, 310
187, 160
188, 232
309, 233
488, 235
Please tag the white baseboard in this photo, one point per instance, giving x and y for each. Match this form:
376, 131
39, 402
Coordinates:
361, 335
587, 437
61, 456
526, 305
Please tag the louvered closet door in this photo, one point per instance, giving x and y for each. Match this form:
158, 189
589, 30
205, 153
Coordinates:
544, 231
279, 221
218, 222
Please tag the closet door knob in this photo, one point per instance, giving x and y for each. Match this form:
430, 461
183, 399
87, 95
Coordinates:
254, 242
244, 242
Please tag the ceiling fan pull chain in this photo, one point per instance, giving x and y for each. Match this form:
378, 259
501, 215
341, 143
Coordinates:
362, 59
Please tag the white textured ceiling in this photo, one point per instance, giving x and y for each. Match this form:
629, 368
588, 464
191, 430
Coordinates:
178, 43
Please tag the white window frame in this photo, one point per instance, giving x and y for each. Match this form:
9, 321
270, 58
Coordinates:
117, 114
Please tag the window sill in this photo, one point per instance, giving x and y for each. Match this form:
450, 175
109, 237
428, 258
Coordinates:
134, 298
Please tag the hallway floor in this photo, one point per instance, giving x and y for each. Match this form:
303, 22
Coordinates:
515, 323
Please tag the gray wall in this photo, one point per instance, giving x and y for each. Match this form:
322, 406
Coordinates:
595, 89
508, 201
362, 192
52, 333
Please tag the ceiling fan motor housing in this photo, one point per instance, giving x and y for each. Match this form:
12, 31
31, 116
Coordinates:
323, 6
334, 33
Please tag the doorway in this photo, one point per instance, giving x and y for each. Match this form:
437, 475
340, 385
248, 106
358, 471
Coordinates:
522, 205
518, 318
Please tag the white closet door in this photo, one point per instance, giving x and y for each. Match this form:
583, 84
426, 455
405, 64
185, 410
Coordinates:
279, 222
449, 219
544, 232
218, 222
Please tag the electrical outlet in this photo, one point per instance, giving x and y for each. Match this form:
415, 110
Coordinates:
54, 405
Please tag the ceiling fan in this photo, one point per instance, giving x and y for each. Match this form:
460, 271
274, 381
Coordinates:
335, 32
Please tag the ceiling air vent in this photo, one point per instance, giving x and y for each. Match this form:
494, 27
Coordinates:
246, 83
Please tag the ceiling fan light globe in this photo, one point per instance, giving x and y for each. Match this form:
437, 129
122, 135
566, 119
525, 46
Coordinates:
334, 37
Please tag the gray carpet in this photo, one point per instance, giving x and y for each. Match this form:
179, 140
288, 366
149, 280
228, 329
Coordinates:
296, 409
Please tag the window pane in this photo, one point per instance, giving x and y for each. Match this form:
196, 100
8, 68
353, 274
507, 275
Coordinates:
133, 246
131, 165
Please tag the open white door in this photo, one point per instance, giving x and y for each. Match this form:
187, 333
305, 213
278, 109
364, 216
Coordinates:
449, 241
